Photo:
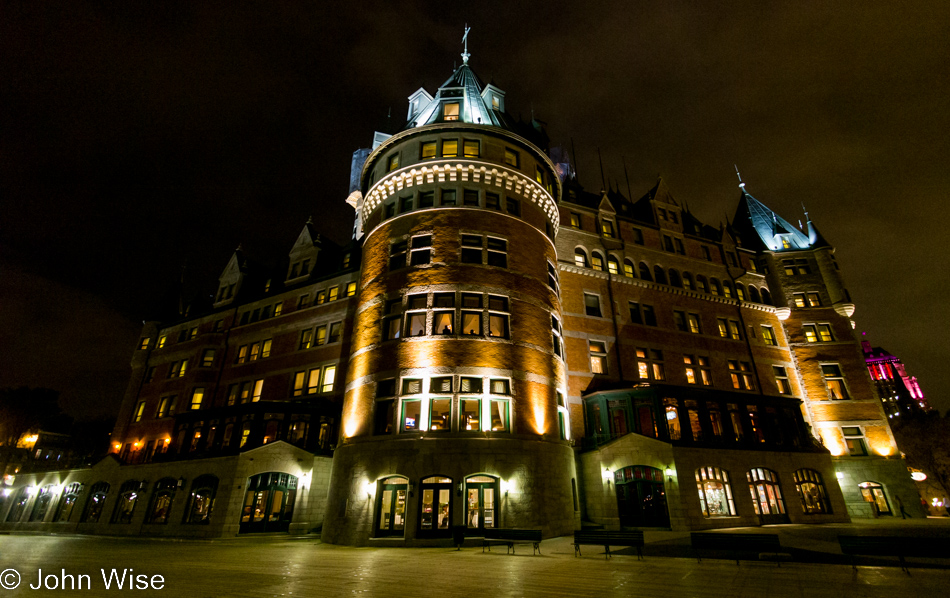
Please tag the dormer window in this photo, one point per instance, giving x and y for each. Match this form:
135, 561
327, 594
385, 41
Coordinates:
607, 228
450, 111
495, 102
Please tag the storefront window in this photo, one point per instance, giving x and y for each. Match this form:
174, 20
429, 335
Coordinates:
766, 492
201, 499
162, 498
97, 500
391, 506
874, 494
125, 507
715, 492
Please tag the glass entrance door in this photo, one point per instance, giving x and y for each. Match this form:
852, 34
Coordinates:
481, 510
435, 516
641, 497
269, 503
391, 507
874, 494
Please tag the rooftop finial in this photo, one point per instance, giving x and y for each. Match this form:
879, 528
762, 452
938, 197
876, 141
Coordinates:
741, 184
465, 54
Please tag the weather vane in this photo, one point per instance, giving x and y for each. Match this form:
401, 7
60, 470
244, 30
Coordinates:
741, 184
465, 54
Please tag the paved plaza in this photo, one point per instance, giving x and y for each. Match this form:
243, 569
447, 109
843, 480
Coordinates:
286, 566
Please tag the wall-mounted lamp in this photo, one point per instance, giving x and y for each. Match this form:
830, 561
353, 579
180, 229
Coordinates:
839, 475
31, 490
669, 474
369, 487
460, 488
608, 476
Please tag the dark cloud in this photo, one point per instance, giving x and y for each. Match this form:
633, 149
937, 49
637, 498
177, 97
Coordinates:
140, 138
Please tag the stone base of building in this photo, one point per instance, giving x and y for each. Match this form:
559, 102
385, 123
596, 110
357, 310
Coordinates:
679, 467
25, 509
534, 480
894, 480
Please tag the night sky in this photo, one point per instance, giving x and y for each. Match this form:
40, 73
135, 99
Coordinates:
139, 140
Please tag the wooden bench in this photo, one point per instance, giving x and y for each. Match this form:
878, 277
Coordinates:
899, 546
608, 539
766, 545
510, 537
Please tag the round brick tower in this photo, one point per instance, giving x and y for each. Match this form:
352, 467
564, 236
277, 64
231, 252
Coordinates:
453, 413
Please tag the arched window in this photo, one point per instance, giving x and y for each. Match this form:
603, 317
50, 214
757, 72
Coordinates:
580, 258
811, 491
766, 493
481, 502
95, 502
613, 266
41, 504
629, 270
873, 493
19, 505
125, 505
65, 507
659, 275
766, 296
716, 286
645, 272
727, 289
596, 261
675, 280
435, 506
754, 295
201, 500
701, 283
740, 292
162, 497
391, 496
688, 281
715, 492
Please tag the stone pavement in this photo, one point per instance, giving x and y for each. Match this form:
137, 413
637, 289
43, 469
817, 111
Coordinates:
302, 566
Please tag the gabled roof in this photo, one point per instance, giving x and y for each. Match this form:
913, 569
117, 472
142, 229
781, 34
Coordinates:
761, 228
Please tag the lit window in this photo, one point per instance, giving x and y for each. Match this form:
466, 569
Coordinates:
197, 396
333, 293
450, 148
329, 377
350, 289
693, 321
511, 157
613, 266
306, 339
715, 491
165, 407
428, 149
597, 262
278, 308
598, 357
539, 175
811, 491
798, 299
451, 111
265, 348
393, 162
143, 344
471, 148
161, 341
575, 220
741, 373
672, 418
781, 380
650, 364
580, 258
768, 335
139, 411
834, 381
628, 269
207, 358
814, 300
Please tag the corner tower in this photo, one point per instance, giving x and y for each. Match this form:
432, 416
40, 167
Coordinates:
454, 411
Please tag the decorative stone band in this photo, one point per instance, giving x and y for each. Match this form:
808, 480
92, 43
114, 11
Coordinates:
452, 171
778, 311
